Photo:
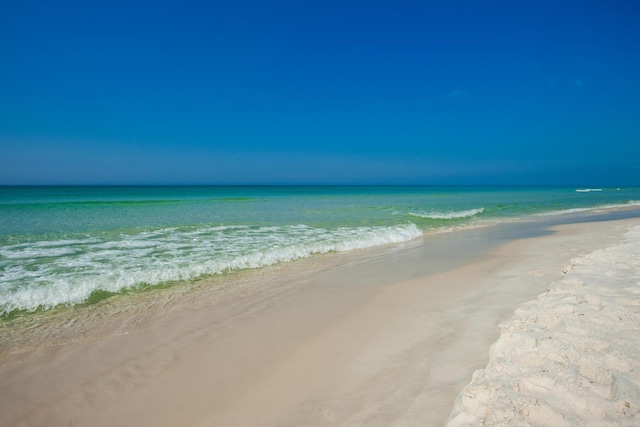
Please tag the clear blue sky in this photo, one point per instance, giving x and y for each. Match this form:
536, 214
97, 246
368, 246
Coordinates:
320, 92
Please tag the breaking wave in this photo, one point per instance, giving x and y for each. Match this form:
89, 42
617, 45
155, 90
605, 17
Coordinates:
47, 273
448, 215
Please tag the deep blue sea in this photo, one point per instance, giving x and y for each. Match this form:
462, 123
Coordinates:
61, 245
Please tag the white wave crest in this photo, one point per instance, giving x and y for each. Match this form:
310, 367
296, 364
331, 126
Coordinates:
69, 277
448, 215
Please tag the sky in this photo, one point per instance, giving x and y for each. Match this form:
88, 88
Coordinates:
320, 92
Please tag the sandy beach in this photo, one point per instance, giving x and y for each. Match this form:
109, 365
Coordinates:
319, 213
570, 357
384, 337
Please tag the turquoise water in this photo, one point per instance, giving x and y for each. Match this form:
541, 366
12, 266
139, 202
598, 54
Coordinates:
61, 245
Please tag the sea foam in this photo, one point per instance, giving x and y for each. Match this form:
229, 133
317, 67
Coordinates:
44, 274
448, 215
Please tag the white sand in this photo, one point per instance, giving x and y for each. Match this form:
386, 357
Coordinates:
371, 341
570, 357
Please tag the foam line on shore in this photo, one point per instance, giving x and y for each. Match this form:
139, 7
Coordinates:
45, 274
570, 357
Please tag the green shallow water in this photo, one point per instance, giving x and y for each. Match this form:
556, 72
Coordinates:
73, 245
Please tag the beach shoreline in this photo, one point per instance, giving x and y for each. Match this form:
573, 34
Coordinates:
355, 344
569, 357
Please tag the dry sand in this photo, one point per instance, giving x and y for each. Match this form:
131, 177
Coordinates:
572, 356
320, 347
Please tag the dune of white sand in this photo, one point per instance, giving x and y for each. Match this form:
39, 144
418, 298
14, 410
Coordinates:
572, 356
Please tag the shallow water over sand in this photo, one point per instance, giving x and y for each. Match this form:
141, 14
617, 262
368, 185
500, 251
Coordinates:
72, 245
363, 270
376, 337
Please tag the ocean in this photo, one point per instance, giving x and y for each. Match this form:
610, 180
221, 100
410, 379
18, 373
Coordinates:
61, 246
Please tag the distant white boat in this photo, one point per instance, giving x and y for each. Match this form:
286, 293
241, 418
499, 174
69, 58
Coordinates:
587, 190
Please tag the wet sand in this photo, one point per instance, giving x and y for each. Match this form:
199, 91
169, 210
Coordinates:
382, 337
